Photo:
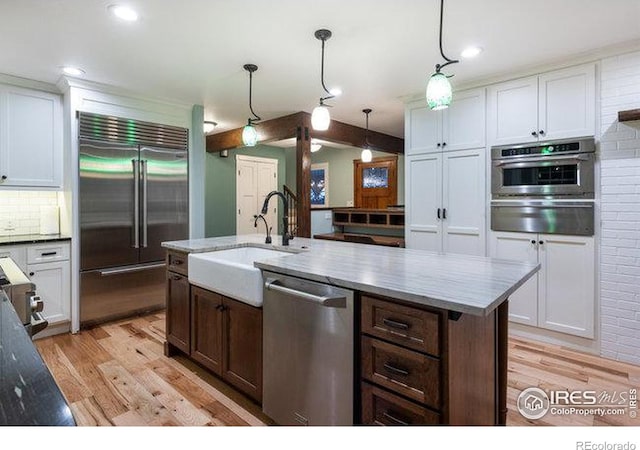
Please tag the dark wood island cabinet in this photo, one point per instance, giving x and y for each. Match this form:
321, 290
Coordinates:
220, 333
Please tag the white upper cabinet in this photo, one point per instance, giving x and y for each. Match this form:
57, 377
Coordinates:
554, 105
30, 138
459, 127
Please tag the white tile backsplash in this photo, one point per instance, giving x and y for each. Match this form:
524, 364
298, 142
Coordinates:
20, 211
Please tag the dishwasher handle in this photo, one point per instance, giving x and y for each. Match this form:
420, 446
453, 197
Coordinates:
330, 301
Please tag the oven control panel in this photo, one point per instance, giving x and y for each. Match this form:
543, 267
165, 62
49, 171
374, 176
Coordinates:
542, 149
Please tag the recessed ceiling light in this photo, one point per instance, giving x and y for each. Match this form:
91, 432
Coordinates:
335, 91
471, 52
123, 12
73, 71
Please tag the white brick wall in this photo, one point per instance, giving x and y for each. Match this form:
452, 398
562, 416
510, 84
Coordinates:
620, 207
20, 211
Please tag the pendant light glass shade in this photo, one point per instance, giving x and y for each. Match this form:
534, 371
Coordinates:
366, 155
315, 146
320, 118
439, 93
249, 136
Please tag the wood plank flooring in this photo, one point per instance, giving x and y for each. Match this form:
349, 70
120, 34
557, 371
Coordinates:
117, 375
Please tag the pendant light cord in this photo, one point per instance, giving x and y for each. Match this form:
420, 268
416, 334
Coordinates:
322, 99
257, 117
366, 131
449, 61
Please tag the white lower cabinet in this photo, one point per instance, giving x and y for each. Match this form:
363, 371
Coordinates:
52, 282
445, 202
47, 266
561, 296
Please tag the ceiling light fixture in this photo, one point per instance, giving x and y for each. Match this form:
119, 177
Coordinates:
124, 12
249, 133
471, 52
320, 118
366, 155
439, 93
73, 71
315, 146
208, 126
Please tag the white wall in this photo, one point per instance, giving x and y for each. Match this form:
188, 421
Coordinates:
620, 207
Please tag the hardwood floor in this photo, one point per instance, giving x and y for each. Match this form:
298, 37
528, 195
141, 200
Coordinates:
117, 374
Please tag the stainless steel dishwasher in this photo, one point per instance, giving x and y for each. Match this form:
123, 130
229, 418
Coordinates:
307, 352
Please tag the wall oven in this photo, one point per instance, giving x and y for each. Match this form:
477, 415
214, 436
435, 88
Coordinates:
554, 169
544, 187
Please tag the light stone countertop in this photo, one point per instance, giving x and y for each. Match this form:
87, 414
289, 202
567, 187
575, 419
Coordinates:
466, 284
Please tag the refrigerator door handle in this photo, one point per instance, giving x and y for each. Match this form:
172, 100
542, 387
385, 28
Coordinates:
144, 164
136, 203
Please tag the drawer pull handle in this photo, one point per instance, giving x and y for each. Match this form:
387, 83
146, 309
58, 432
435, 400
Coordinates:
49, 253
395, 324
176, 277
177, 262
394, 419
394, 369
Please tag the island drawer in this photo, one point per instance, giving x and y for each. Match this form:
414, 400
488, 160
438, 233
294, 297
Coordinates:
404, 371
380, 407
177, 262
411, 327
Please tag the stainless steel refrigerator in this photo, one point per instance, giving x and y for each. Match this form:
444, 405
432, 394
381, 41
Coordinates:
133, 196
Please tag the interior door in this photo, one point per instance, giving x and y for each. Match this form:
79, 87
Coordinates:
164, 200
255, 178
375, 184
107, 208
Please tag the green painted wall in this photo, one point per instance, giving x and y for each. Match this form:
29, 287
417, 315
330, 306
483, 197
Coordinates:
220, 195
341, 173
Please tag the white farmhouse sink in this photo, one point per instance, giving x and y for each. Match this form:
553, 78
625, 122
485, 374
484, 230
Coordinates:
231, 272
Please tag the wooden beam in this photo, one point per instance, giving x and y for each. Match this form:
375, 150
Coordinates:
629, 115
303, 176
268, 130
355, 136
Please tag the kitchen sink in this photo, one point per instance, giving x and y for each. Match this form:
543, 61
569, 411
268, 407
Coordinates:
231, 272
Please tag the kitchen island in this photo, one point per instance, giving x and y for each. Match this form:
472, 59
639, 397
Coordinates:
453, 332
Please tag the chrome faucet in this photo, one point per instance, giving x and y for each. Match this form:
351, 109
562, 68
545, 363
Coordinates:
266, 225
285, 216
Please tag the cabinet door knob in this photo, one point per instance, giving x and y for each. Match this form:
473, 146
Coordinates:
533, 133
439, 144
540, 242
541, 131
444, 144
31, 274
533, 241
4, 177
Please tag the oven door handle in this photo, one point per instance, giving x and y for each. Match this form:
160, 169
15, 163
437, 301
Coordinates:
541, 205
525, 162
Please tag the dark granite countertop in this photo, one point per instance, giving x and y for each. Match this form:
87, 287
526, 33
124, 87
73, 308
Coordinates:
28, 393
32, 238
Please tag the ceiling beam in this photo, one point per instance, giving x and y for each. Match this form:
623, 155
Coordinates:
286, 127
268, 130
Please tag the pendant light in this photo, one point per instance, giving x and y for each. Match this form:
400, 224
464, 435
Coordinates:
249, 132
208, 126
315, 146
320, 118
366, 155
439, 93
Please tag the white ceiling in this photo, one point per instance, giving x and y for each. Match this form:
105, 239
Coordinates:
193, 50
